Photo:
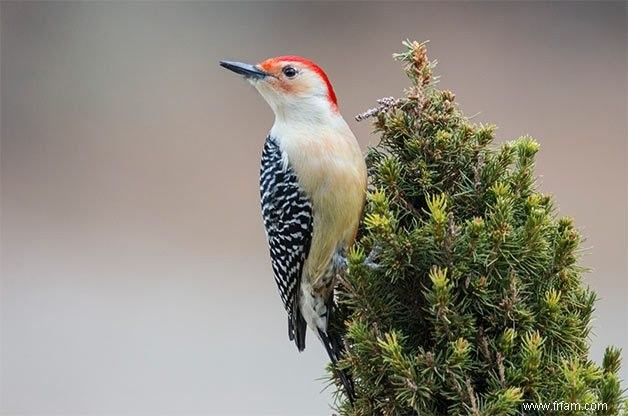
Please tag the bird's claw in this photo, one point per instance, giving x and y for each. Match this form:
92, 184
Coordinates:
370, 259
342, 262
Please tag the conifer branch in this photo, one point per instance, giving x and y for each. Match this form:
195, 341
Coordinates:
477, 303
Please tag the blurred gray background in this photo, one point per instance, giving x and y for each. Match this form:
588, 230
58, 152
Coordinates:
135, 274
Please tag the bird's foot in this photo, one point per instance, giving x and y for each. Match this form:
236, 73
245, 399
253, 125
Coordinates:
370, 259
341, 262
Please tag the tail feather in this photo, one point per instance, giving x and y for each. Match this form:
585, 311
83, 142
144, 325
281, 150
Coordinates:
334, 347
296, 329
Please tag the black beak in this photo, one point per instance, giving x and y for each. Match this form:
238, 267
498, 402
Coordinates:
249, 71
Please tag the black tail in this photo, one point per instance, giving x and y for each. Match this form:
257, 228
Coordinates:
297, 328
333, 345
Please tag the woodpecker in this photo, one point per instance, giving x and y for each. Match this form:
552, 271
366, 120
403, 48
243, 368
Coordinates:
313, 187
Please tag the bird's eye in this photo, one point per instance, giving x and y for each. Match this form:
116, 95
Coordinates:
290, 72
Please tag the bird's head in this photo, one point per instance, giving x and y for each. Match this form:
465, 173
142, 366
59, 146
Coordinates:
292, 86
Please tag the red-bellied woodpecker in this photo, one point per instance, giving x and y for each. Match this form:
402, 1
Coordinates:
313, 186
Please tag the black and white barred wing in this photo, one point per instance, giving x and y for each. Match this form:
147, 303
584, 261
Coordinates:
287, 215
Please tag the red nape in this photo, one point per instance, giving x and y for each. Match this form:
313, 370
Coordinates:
331, 95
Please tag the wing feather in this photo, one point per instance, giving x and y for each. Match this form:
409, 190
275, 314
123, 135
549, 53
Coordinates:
287, 215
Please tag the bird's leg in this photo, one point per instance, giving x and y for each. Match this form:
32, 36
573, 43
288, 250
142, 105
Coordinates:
370, 259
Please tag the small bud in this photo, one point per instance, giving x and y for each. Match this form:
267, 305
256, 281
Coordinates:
460, 349
565, 223
448, 95
527, 147
533, 200
552, 299
377, 222
485, 134
500, 189
442, 137
513, 394
475, 226
437, 207
507, 339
